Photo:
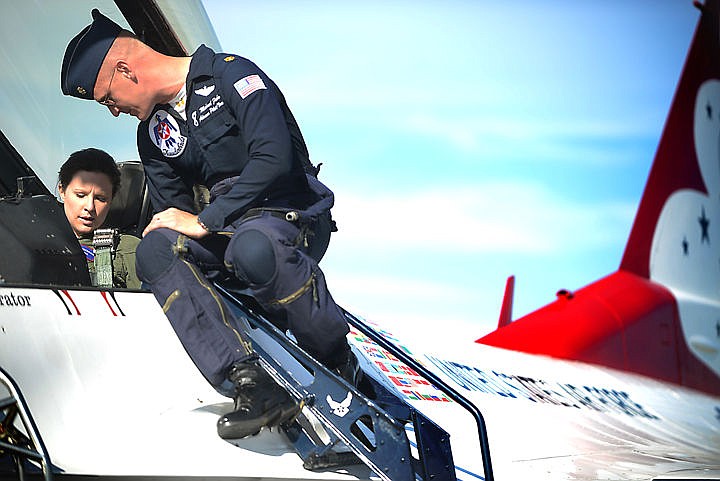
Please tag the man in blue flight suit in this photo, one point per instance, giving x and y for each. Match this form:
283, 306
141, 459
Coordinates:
217, 120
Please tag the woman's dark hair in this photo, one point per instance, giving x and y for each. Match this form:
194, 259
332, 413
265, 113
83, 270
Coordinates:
91, 160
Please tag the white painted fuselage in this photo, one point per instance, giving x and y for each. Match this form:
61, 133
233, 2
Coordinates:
113, 392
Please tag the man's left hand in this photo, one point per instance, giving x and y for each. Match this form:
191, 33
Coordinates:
179, 221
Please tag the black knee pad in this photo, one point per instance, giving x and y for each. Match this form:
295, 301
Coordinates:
153, 256
254, 257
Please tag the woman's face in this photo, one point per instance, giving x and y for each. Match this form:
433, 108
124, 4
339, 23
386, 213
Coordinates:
86, 201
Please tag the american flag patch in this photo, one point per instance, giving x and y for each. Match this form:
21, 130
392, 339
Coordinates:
247, 85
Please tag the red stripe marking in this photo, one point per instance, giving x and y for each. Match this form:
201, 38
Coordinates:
104, 295
71, 301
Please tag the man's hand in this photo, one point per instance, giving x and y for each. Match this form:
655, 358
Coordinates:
179, 221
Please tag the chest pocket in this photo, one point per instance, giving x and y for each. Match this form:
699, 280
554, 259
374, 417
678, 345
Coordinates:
207, 130
218, 139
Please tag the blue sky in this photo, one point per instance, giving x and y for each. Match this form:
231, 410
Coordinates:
470, 140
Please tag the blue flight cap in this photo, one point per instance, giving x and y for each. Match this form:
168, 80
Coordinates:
85, 54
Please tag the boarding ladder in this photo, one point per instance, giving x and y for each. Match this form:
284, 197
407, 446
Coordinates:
371, 431
21, 447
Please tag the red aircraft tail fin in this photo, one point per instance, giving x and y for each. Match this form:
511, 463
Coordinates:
676, 165
659, 314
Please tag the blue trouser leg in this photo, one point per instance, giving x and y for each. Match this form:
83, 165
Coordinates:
202, 322
264, 252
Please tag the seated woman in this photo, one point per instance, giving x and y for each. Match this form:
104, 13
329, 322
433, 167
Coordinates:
88, 180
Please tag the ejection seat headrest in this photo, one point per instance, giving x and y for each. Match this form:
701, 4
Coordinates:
130, 206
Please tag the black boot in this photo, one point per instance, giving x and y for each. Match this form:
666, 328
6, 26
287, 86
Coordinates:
259, 402
349, 369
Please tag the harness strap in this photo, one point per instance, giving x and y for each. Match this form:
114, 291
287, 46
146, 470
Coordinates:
290, 215
105, 243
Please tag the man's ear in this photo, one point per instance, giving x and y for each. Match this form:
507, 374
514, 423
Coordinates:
125, 70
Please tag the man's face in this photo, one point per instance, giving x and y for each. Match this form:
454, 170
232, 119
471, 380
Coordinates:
116, 90
87, 201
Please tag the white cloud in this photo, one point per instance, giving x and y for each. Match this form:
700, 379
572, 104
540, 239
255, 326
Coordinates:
406, 306
497, 217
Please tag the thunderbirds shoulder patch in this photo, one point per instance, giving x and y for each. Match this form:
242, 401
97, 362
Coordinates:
165, 134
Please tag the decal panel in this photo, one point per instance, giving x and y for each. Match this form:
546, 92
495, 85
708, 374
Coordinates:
545, 415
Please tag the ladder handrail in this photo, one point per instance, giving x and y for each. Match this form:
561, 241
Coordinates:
40, 452
378, 338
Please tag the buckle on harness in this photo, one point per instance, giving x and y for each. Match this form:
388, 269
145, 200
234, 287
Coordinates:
105, 238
